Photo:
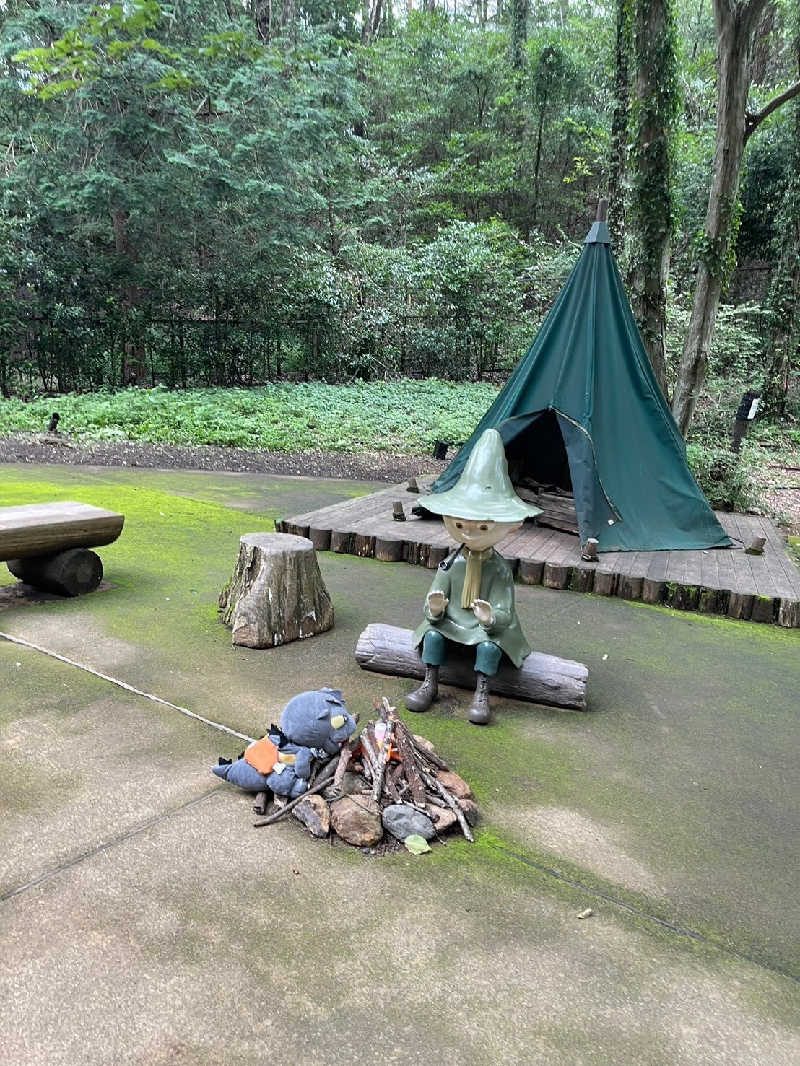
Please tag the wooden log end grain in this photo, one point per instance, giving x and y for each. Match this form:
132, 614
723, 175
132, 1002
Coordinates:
556, 575
68, 573
531, 571
276, 594
629, 588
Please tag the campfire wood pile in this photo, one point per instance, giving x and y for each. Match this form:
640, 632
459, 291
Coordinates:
387, 779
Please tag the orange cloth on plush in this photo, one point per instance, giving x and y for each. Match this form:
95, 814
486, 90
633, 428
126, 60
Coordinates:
262, 755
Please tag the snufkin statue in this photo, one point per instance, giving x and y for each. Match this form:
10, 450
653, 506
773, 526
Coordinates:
471, 600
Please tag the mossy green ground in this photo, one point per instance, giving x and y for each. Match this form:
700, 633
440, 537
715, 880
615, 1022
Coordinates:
669, 808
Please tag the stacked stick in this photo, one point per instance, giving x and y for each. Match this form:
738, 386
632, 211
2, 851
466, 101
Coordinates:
401, 768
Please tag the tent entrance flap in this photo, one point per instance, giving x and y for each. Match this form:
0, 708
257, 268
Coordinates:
593, 507
548, 451
536, 451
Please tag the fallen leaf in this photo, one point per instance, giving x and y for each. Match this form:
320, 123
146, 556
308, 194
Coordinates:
416, 844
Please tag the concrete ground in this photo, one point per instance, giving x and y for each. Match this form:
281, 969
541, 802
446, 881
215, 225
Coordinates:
143, 920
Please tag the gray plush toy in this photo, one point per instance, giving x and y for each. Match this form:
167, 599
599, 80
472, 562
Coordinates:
314, 725
319, 720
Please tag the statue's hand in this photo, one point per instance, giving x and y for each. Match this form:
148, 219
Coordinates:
437, 604
482, 610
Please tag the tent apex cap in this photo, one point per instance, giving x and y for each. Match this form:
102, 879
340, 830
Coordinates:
598, 234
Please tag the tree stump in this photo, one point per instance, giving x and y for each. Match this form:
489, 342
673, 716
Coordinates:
276, 594
67, 573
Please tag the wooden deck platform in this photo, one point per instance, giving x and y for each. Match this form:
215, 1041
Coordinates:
761, 588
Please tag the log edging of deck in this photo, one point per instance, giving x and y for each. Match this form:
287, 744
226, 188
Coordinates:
724, 582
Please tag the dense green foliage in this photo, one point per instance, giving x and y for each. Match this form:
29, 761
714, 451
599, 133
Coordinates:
397, 417
221, 192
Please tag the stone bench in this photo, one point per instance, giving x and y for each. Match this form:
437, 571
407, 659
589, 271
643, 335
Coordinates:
47, 544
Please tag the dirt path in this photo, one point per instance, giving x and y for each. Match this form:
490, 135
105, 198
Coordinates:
372, 466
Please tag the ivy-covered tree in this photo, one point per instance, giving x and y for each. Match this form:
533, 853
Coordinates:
737, 23
654, 113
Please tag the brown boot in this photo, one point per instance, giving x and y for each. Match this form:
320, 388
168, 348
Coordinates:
480, 712
421, 698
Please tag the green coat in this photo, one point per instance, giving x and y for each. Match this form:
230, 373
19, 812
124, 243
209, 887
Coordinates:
460, 624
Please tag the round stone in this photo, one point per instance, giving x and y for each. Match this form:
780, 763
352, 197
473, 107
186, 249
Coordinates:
402, 820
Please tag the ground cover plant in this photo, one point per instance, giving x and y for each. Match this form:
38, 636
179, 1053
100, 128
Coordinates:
404, 417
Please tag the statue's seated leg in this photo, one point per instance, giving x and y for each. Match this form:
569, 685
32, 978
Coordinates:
434, 653
487, 663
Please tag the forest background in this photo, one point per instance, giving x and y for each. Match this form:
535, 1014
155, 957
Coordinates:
233, 192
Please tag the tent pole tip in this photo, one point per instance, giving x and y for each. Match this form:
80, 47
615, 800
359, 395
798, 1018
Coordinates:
602, 209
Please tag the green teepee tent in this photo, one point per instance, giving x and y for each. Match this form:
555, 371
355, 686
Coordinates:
584, 413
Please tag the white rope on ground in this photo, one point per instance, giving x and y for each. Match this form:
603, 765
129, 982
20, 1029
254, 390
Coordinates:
123, 684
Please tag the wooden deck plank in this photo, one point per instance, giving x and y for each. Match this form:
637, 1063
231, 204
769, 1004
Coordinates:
657, 566
676, 567
725, 573
709, 569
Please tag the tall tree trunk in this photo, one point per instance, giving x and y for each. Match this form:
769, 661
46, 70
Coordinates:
134, 367
262, 12
735, 24
289, 16
785, 288
655, 105
519, 32
618, 166
537, 163
371, 13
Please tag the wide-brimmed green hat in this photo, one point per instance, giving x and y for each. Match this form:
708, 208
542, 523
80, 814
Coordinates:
484, 490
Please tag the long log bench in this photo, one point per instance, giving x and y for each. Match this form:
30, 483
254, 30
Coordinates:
48, 544
542, 678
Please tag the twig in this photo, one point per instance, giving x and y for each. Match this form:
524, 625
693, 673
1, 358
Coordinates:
371, 759
341, 767
377, 784
405, 746
322, 782
451, 803
429, 756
